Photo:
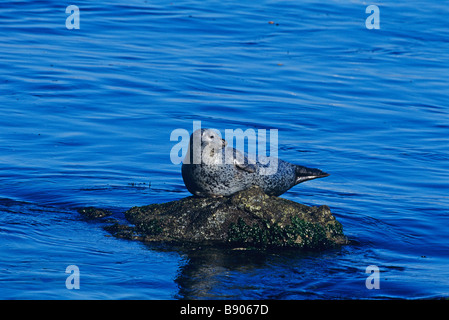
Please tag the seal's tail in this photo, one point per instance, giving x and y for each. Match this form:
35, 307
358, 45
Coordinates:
305, 174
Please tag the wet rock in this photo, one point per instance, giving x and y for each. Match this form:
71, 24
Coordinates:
94, 213
249, 218
122, 231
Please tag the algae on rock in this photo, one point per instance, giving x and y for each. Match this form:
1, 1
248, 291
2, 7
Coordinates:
249, 218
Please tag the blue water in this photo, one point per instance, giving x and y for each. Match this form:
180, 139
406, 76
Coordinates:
86, 116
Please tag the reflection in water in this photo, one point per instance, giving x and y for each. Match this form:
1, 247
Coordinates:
224, 273
207, 269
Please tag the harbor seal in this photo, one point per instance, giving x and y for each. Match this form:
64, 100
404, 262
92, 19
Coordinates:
210, 169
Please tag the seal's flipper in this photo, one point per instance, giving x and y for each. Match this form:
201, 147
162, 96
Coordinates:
242, 162
250, 168
305, 174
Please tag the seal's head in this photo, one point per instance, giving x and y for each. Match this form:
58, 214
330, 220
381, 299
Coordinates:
208, 138
212, 138
203, 144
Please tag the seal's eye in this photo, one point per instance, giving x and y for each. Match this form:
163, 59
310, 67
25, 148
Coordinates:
211, 137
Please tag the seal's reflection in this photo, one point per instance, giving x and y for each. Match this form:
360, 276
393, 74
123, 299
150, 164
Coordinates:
208, 268
210, 272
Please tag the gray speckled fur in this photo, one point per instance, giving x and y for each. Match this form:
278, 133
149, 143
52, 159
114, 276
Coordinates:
224, 171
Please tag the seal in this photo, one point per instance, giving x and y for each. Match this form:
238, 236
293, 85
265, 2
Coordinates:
210, 169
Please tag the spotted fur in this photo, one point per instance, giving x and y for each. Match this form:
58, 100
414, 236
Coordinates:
224, 171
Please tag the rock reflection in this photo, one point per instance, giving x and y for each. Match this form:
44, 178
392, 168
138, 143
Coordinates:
208, 270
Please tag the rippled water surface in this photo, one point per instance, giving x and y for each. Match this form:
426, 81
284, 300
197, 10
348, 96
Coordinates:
86, 116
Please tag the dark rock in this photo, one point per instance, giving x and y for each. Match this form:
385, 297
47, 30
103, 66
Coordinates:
122, 231
94, 213
249, 218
